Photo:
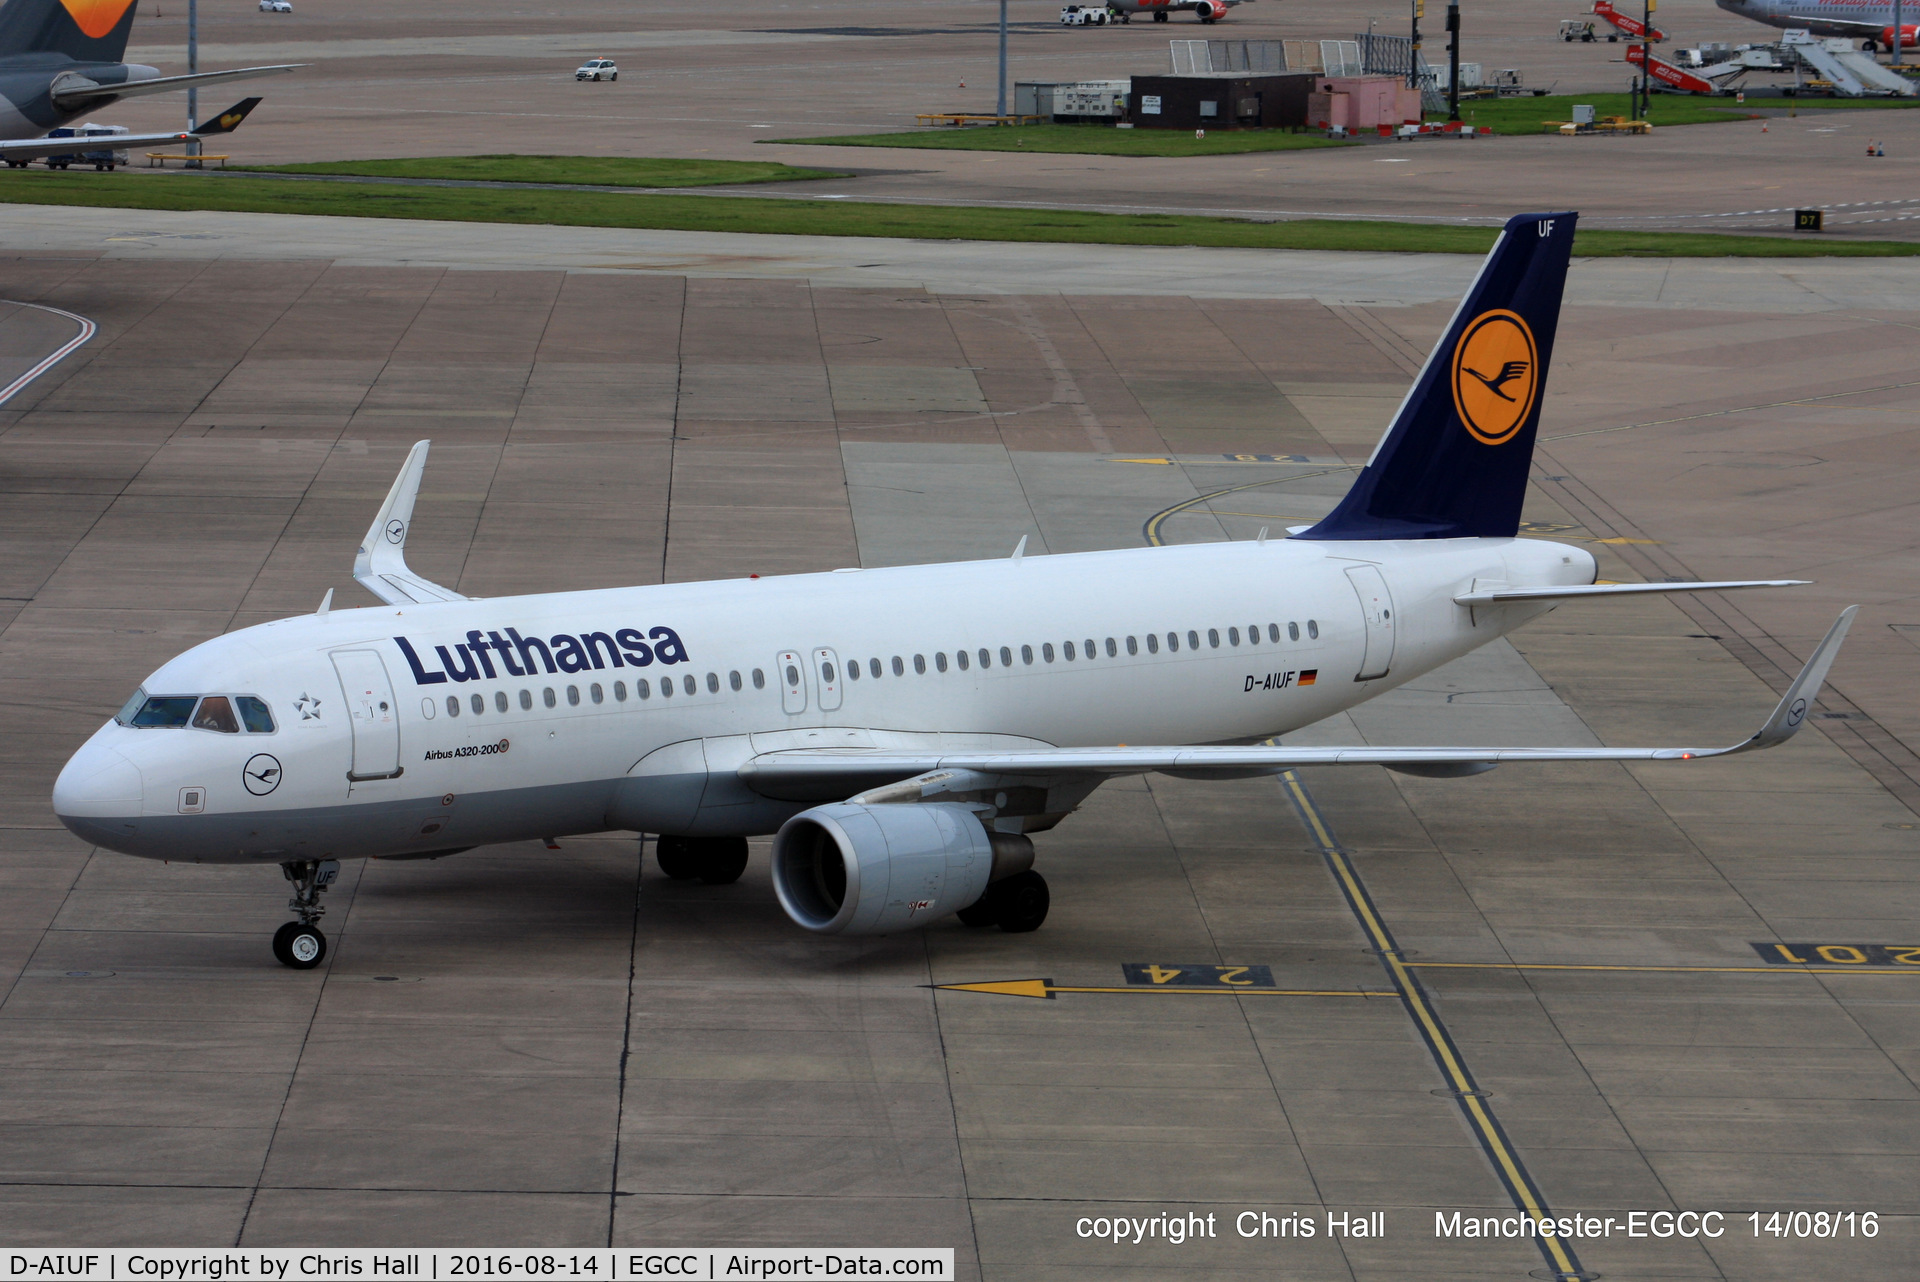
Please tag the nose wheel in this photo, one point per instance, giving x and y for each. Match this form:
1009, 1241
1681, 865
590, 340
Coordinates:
300, 944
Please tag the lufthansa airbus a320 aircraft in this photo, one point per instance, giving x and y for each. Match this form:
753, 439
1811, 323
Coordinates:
903, 731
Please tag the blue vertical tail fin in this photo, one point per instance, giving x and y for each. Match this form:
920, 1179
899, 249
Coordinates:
1454, 463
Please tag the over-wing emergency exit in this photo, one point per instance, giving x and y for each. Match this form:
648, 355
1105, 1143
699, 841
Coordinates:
904, 732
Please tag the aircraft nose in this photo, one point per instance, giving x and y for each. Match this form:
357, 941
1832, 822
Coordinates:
98, 783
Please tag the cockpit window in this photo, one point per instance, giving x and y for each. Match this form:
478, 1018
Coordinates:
130, 708
216, 713
254, 713
166, 711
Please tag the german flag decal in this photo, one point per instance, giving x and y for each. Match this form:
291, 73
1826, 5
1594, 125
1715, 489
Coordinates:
96, 18
1309, 675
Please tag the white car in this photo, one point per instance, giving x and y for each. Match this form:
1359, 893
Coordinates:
1079, 15
597, 69
276, 6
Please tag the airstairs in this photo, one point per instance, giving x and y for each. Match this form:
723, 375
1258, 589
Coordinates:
1851, 73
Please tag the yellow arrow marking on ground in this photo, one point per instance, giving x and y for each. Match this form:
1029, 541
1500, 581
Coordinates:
1047, 988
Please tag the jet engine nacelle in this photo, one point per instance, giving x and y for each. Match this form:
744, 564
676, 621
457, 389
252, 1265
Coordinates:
1909, 37
1210, 10
850, 869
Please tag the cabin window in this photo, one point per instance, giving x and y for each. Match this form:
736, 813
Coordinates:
620, 691
427, 709
479, 703
986, 658
826, 673
573, 696
526, 701
1233, 636
688, 684
759, 679
1193, 641
920, 665
899, 668
1133, 647
666, 687
1113, 650
643, 689
1066, 651
873, 668
254, 715
960, 657
713, 683
1153, 643
216, 713
733, 681
1313, 629
546, 696
1173, 642
499, 700
1046, 651
1006, 657
793, 676
1026, 654
595, 693
1213, 638
940, 661
853, 669
453, 705
1253, 635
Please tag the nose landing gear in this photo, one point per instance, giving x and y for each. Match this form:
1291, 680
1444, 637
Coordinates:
300, 944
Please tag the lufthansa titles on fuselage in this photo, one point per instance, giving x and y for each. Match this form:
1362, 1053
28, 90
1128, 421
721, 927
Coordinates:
473, 659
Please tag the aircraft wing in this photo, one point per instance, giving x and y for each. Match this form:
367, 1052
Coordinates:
380, 564
893, 776
30, 148
73, 90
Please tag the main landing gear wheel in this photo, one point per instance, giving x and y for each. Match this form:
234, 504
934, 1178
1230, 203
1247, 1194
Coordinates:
299, 946
299, 943
1015, 904
717, 861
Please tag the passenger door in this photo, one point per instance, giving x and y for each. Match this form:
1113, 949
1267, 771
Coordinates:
370, 711
1376, 611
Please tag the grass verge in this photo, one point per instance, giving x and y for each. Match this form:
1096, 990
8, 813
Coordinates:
1083, 140
177, 191
599, 171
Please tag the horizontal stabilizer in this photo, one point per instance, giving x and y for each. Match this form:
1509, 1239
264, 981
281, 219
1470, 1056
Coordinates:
815, 771
1494, 596
73, 91
380, 565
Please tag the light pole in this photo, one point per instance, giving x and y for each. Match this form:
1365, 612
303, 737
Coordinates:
1453, 61
1413, 54
193, 67
1646, 62
1001, 108
1898, 34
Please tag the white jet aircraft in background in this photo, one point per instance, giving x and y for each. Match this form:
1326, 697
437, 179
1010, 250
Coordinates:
1871, 20
903, 730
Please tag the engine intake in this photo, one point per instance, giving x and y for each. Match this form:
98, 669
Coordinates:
849, 869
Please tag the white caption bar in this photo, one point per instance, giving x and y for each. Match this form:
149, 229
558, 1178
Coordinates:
631, 1264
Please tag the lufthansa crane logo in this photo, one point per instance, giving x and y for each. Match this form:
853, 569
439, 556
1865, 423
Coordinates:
261, 774
1496, 376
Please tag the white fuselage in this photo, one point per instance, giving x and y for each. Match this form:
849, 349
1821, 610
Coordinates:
1178, 645
1825, 17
